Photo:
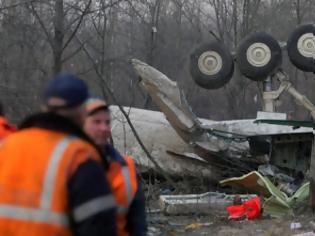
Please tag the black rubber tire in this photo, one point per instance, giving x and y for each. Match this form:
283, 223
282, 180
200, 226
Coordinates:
218, 79
257, 73
297, 59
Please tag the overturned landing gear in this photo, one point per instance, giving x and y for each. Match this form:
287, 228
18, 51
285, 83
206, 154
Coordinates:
211, 65
301, 48
258, 56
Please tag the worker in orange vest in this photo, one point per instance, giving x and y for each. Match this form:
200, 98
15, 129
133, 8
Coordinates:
5, 127
121, 174
51, 174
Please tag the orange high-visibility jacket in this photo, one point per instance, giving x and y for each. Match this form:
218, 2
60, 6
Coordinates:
35, 166
123, 181
5, 128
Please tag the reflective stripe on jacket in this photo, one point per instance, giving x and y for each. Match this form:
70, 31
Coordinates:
123, 181
35, 165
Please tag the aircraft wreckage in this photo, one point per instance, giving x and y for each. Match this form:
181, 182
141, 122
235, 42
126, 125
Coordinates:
185, 145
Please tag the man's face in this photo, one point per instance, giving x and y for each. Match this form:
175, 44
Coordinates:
97, 126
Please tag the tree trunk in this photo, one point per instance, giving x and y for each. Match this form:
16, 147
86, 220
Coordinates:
58, 37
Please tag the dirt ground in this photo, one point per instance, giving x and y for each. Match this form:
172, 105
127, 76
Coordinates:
160, 224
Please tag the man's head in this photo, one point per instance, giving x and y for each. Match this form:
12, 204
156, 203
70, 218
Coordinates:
66, 95
97, 123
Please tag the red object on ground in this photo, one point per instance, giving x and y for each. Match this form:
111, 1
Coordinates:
251, 210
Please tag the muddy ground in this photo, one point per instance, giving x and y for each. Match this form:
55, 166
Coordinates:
160, 224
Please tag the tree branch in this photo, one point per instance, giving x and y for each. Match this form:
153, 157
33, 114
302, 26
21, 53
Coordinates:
41, 23
75, 52
99, 9
77, 26
16, 5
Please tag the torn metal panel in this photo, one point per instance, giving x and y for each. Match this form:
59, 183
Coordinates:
191, 156
276, 203
169, 98
290, 151
282, 205
166, 94
252, 182
250, 128
170, 151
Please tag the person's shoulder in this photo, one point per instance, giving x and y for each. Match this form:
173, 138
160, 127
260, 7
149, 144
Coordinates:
81, 153
82, 144
29, 134
114, 154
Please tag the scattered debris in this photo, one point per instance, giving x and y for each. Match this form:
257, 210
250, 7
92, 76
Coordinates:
206, 203
152, 231
276, 203
284, 182
194, 226
250, 210
273, 161
305, 234
295, 225
153, 211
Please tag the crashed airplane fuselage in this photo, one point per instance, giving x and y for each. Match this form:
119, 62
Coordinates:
217, 142
171, 153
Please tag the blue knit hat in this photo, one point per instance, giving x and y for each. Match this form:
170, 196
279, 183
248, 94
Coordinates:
65, 90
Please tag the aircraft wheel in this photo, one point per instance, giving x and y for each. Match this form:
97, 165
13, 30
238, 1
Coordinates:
301, 47
211, 65
258, 56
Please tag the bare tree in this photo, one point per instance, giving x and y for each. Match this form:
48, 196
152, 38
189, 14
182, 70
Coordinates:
39, 38
56, 36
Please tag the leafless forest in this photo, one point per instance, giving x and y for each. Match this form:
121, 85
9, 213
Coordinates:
97, 38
